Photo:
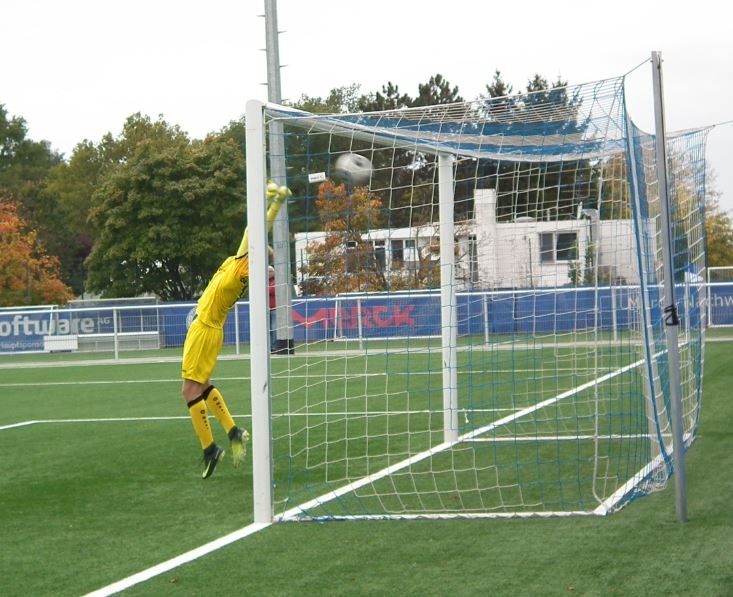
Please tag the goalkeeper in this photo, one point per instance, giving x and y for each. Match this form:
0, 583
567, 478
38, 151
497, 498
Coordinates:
204, 341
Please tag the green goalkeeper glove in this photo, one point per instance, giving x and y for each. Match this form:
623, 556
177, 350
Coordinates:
275, 196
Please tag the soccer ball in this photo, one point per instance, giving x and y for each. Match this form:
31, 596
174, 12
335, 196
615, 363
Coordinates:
353, 168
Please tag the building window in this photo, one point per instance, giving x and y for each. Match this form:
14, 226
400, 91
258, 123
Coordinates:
398, 254
558, 246
351, 257
412, 259
473, 258
380, 254
403, 254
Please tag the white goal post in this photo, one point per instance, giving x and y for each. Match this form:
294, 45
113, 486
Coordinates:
483, 328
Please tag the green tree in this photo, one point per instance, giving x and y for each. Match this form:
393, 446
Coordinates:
71, 186
68, 190
435, 92
24, 163
167, 214
498, 87
389, 98
412, 174
339, 100
520, 186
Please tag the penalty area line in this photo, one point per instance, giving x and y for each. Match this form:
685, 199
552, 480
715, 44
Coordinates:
184, 558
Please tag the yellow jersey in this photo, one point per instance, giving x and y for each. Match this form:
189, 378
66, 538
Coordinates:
227, 286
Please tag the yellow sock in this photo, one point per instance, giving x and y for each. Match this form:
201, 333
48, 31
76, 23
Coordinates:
200, 420
216, 403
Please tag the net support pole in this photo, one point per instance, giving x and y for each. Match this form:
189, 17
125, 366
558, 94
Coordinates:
259, 319
448, 304
670, 308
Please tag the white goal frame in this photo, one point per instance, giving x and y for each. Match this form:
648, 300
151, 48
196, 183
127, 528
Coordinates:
671, 441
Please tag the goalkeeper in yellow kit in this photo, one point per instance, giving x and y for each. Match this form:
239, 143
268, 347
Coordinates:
204, 341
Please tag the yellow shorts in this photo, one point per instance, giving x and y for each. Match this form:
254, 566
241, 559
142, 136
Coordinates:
200, 351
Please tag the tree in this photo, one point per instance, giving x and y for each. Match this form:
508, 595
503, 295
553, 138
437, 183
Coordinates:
498, 87
412, 171
719, 233
167, 215
344, 261
615, 203
520, 185
23, 162
28, 275
435, 92
72, 184
339, 100
389, 99
24, 166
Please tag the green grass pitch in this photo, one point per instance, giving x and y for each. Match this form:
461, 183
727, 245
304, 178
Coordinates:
101, 481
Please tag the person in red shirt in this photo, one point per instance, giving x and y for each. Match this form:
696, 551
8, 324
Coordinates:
273, 305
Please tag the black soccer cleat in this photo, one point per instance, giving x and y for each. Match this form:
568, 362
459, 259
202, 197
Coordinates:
212, 455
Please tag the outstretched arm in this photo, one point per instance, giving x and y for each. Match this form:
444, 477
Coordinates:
276, 196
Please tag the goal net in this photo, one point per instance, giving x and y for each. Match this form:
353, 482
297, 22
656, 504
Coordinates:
477, 330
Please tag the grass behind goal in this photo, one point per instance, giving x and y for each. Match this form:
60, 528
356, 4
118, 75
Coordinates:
364, 436
102, 481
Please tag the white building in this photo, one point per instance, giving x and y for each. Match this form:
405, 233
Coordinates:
520, 254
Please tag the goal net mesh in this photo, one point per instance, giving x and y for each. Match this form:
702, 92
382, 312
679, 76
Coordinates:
478, 328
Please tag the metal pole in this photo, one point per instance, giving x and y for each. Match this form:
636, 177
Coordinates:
670, 310
281, 227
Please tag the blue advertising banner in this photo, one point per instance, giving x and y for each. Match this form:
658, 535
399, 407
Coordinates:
24, 331
374, 316
721, 305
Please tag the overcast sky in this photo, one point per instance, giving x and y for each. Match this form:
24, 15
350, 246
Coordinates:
76, 69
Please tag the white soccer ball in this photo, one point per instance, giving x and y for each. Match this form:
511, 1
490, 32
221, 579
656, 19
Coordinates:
353, 168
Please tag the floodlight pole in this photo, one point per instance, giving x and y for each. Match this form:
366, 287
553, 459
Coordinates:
670, 309
280, 227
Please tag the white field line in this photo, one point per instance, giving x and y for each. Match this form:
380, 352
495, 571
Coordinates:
180, 560
168, 565
294, 513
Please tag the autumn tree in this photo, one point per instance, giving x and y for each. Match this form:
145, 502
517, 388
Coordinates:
28, 275
719, 233
615, 202
344, 261
24, 167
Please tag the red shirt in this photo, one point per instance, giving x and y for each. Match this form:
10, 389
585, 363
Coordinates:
271, 289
